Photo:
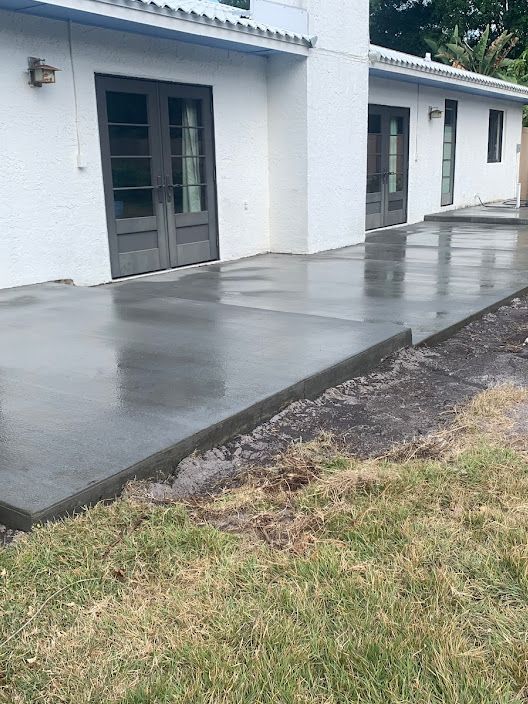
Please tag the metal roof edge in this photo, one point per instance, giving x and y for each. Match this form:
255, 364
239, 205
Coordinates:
442, 72
220, 16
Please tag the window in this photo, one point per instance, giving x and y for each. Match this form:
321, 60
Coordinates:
448, 156
241, 4
496, 129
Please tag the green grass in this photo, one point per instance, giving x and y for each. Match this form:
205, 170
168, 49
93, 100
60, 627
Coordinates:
396, 581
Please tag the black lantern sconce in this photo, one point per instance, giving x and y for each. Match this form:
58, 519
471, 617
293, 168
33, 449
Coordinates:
40, 73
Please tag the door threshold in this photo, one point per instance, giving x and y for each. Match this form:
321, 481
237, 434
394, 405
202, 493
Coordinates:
388, 227
118, 279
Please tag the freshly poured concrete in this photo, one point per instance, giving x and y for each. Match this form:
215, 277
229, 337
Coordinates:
429, 277
100, 385
492, 213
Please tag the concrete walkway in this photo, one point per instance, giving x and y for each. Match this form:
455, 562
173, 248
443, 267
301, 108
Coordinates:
100, 385
491, 214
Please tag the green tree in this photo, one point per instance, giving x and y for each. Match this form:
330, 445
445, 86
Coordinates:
485, 56
518, 69
405, 24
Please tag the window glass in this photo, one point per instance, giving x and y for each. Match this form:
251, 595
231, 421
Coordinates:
130, 172
129, 141
128, 108
495, 135
135, 203
190, 199
185, 112
374, 124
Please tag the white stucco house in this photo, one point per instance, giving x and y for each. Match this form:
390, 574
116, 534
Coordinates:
184, 131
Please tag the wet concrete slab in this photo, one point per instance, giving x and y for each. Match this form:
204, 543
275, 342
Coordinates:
429, 277
96, 388
100, 385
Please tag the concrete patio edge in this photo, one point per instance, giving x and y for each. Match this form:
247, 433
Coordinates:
452, 329
456, 216
163, 463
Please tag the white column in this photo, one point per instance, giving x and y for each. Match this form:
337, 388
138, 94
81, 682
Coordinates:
318, 133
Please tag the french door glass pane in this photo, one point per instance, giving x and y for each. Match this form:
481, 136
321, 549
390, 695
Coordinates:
187, 150
128, 108
185, 140
129, 141
130, 160
188, 171
190, 199
396, 145
374, 124
185, 112
131, 172
135, 203
374, 183
374, 154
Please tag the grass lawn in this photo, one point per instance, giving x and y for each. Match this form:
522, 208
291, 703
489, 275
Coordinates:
323, 580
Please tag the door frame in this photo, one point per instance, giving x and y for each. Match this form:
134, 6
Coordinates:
153, 88
389, 218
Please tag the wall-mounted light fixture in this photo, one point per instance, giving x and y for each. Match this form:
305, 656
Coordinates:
40, 73
435, 113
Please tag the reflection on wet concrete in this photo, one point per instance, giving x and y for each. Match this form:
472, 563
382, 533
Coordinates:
426, 277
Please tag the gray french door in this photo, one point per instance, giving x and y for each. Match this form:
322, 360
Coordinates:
159, 174
387, 166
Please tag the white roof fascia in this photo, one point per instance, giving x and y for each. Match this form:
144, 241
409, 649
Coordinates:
414, 67
207, 17
182, 20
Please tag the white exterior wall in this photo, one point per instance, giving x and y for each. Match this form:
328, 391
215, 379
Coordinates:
52, 213
317, 132
290, 134
473, 174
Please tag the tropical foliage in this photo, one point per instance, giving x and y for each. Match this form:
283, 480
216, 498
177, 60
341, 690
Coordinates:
518, 69
485, 57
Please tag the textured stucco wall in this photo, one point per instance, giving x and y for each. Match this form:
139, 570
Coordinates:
523, 167
318, 137
52, 215
473, 174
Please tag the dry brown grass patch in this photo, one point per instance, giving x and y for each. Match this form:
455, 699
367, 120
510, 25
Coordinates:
261, 504
299, 465
488, 414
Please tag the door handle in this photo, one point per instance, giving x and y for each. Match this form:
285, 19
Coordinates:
159, 188
168, 189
